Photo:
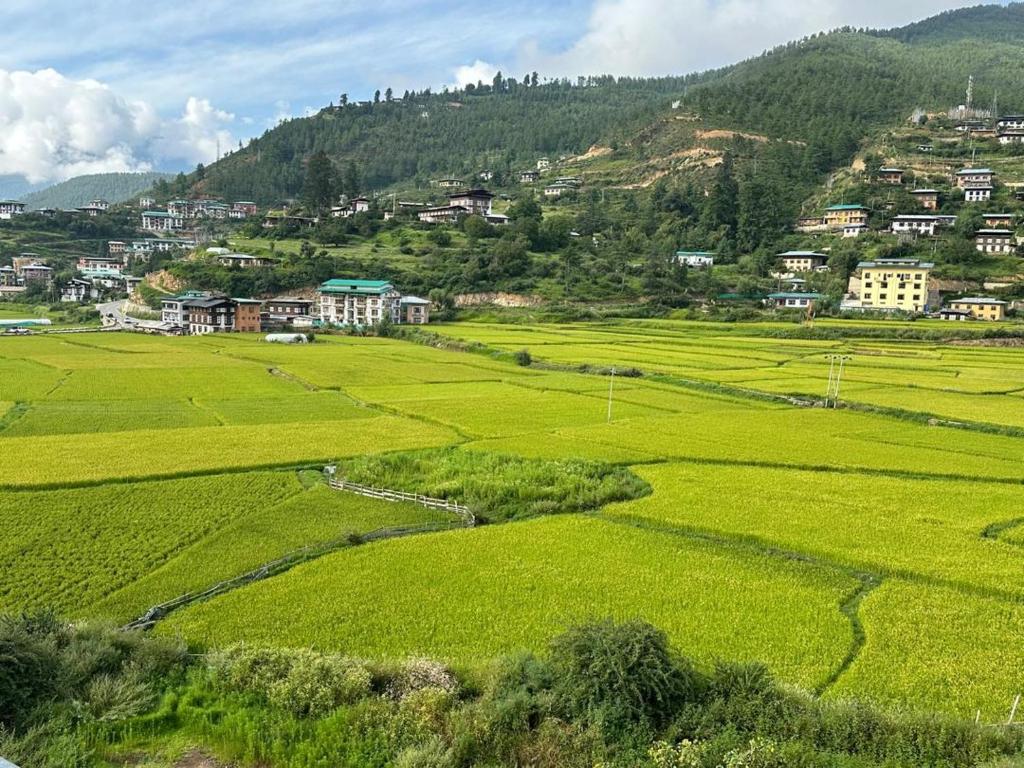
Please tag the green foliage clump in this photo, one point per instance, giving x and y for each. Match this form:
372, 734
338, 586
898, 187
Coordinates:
303, 682
620, 674
499, 487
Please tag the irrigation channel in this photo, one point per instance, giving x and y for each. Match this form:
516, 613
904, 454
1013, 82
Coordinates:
466, 519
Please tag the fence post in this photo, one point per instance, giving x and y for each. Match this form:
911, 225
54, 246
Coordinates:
1013, 709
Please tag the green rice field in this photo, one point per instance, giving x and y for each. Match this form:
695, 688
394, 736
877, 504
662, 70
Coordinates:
872, 551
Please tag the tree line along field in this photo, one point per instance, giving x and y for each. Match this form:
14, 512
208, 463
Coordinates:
858, 553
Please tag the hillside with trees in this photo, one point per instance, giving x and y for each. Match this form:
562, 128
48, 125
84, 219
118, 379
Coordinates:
112, 187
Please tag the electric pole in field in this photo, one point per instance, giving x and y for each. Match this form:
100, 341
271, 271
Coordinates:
835, 378
611, 385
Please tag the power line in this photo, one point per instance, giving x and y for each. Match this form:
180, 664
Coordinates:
835, 378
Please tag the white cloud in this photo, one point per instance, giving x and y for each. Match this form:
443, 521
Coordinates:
661, 37
53, 128
471, 74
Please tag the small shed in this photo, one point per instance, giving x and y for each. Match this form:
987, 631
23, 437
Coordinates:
283, 338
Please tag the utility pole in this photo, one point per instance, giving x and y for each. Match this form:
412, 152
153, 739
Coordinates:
611, 386
835, 378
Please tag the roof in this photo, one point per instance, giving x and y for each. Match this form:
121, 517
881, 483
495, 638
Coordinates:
356, 286
998, 215
1007, 232
973, 171
845, 207
891, 170
915, 217
802, 255
795, 296
472, 193
414, 300
694, 253
158, 214
292, 300
977, 300
913, 263
924, 191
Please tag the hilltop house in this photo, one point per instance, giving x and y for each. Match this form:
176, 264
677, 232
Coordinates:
244, 207
975, 177
892, 176
543, 164
10, 208
803, 261
450, 183
891, 285
999, 220
244, 260
161, 221
695, 259
1010, 122
444, 214
528, 177
918, 225
475, 201
927, 198
977, 194
995, 241
840, 216
979, 308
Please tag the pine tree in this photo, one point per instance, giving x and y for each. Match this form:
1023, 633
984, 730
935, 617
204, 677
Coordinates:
319, 188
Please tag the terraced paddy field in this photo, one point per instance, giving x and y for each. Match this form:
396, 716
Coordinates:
870, 552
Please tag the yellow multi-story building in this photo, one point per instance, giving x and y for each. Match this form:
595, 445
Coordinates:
892, 285
840, 216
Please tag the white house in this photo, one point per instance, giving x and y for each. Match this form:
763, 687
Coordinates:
918, 225
977, 194
9, 208
803, 261
161, 221
695, 259
359, 302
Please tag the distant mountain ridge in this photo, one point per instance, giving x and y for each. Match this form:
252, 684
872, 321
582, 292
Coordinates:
79, 191
829, 91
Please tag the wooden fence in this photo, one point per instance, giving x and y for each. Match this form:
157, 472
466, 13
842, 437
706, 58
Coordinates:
414, 498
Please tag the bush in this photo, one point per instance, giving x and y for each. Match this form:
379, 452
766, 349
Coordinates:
621, 674
421, 674
523, 358
303, 682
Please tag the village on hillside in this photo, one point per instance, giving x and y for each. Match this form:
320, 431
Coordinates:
923, 200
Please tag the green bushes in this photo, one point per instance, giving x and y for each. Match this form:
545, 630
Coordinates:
305, 683
620, 674
498, 487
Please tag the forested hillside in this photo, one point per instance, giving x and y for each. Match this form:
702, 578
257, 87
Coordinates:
827, 91
112, 187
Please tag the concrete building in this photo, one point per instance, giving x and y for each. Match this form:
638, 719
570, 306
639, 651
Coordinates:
927, 198
890, 285
475, 201
11, 208
358, 302
840, 216
792, 300
892, 176
975, 177
980, 308
802, 261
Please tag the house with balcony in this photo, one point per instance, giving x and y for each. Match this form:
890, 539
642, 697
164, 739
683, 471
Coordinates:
529, 177
999, 220
414, 311
475, 201
444, 214
286, 308
162, 221
358, 302
76, 291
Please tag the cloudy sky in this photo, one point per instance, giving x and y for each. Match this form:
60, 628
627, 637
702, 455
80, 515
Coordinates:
117, 85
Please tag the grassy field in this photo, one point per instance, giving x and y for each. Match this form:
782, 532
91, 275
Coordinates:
858, 553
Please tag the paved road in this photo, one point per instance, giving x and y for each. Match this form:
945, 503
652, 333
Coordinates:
112, 313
